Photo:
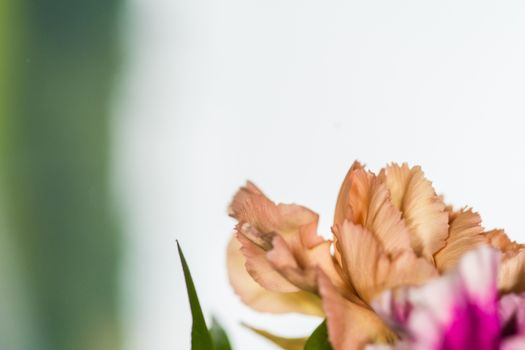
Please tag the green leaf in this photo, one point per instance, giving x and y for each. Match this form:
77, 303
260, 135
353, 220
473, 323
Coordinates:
319, 339
218, 335
284, 343
200, 337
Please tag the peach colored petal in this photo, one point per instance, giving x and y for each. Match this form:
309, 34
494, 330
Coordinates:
464, 234
260, 299
283, 260
512, 272
280, 242
408, 270
397, 179
342, 206
359, 197
499, 240
259, 221
260, 268
308, 233
324, 261
423, 211
369, 205
250, 205
512, 269
343, 211
350, 326
370, 269
302, 272
362, 257
384, 220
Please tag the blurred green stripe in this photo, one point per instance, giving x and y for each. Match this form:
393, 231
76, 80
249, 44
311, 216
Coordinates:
60, 58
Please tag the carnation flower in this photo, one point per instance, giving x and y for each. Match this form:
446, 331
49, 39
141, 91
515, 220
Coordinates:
460, 310
390, 230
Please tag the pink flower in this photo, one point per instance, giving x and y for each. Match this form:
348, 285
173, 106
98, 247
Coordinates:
460, 310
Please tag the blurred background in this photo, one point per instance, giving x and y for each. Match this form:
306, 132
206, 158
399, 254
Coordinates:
128, 124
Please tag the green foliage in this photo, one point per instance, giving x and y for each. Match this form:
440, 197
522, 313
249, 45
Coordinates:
216, 339
319, 339
219, 337
200, 337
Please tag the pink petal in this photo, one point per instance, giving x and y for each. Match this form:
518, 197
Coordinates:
514, 343
479, 273
454, 312
512, 310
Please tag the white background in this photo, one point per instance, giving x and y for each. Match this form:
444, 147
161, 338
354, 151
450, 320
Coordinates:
288, 93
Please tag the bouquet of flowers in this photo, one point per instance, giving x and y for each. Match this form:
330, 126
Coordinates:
403, 270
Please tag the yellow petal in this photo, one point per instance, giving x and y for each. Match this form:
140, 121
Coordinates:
464, 234
260, 299
282, 342
423, 211
350, 326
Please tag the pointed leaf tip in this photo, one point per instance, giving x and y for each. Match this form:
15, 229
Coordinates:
219, 336
200, 337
